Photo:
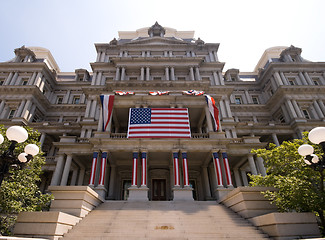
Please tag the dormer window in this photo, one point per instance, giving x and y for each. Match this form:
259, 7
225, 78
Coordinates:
156, 30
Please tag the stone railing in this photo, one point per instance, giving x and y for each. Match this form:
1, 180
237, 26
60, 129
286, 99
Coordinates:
80, 140
200, 135
118, 135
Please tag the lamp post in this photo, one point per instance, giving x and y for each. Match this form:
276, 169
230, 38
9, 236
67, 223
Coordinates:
15, 134
316, 136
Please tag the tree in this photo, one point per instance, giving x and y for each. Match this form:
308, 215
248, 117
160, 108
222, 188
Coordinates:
299, 186
19, 191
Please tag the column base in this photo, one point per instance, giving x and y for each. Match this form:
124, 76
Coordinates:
221, 192
138, 194
183, 194
101, 190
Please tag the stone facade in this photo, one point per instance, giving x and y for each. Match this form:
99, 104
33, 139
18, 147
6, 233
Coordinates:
280, 100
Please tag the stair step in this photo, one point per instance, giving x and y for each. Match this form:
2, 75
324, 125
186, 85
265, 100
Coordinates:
163, 220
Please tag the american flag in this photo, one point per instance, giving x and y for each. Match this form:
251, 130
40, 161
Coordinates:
121, 93
159, 123
159, 93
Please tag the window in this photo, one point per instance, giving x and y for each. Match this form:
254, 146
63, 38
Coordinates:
255, 99
233, 79
1, 82
281, 119
24, 81
316, 82
305, 112
59, 100
76, 100
238, 100
11, 113
291, 82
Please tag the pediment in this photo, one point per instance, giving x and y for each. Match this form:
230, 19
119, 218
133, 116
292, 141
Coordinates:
157, 41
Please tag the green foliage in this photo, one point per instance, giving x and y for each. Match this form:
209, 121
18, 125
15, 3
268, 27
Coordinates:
298, 185
19, 191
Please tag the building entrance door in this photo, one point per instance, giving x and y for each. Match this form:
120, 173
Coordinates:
159, 190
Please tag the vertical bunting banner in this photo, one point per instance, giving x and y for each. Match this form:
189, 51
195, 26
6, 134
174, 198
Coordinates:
213, 110
107, 109
93, 169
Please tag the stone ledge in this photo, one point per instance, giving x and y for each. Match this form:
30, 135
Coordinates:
288, 225
49, 225
75, 200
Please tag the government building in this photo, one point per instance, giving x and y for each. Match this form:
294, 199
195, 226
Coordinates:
86, 118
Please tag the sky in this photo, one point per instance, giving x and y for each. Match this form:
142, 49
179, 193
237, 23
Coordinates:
244, 28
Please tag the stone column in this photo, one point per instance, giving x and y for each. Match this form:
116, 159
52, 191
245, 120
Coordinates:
31, 79
284, 79
8, 79
65, 175
14, 78
58, 170
142, 74
252, 164
123, 74
26, 110
172, 73
223, 109
206, 183
318, 110
147, 73
88, 108
244, 177
185, 170
112, 182
93, 80
81, 176
42, 138
237, 177
143, 169
228, 108
93, 108
222, 81
290, 108
275, 139
248, 97
278, 78
167, 73
176, 169
217, 169
260, 163
211, 56
103, 169
38, 79
99, 78
216, 79
297, 109
20, 109
197, 74
2, 105
93, 169
208, 119
215, 56
302, 78
320, 103
227, 169
309, 81
135, 170
191, 74
74, 177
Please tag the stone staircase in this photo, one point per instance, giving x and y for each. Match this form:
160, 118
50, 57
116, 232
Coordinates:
163, 220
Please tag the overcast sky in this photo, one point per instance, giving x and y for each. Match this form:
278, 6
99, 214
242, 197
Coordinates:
244, 28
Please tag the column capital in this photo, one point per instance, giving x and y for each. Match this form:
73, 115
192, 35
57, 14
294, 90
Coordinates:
215, 150
143, 150
175, 150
